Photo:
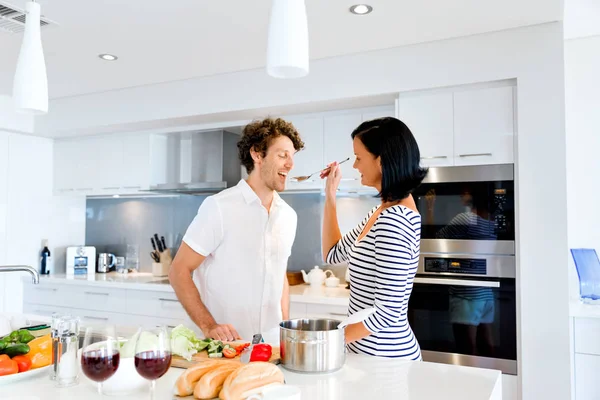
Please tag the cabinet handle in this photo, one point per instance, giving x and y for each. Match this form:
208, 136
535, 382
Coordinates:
67, 190
433, 157
169, 300
475, 155
111, 188
84, 189
46, 289
96, 293
337, 313
97, 318
131, 187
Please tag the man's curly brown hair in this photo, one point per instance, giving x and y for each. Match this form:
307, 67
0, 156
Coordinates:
258, 135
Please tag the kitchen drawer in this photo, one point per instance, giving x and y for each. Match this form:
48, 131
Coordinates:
98, 298
587, 385
297, 310
44, 310
326, 311
47, 294
148, 322
586, 334
94, 317
155, 304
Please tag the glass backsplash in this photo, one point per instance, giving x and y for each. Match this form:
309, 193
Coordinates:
112, 224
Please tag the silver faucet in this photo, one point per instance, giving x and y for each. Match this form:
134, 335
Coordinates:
14, 268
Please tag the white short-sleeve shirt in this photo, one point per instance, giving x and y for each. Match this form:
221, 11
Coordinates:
246, 250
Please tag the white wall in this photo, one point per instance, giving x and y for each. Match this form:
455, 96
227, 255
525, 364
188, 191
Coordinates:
532, 55
12, 121
582, 113
28, 210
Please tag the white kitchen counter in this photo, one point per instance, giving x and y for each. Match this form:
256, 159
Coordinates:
304, 293
361, 378
146, 281
578, 309
134, 280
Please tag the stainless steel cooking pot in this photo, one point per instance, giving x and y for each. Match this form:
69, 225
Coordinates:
312, 345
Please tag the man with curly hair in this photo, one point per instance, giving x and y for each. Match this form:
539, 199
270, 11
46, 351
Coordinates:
237, 246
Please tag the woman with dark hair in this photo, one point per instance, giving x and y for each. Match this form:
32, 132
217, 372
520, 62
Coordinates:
383, 250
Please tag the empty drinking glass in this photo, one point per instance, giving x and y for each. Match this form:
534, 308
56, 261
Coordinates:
132, 259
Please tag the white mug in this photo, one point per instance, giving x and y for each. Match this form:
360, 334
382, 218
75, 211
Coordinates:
280, 392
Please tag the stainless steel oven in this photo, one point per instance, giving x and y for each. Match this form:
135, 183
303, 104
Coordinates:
463, 304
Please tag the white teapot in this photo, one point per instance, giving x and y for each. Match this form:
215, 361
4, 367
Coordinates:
316, 276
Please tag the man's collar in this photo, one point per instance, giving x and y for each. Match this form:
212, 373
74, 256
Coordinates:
250, 195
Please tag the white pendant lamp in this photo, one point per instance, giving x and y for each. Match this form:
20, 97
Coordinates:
30, 86
287, 50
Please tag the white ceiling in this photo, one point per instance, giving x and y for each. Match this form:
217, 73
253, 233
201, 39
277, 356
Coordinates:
159, 41
582, 18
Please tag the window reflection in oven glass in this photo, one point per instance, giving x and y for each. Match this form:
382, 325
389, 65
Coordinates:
479, 321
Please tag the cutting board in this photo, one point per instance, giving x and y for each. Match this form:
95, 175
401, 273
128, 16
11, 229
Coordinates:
180, 362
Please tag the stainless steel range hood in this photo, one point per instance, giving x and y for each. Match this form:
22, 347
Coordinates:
196, 163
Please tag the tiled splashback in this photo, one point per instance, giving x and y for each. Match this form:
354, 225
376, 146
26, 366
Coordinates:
113, 223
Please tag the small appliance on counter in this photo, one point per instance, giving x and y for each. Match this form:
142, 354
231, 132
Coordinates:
81, 261
106, 262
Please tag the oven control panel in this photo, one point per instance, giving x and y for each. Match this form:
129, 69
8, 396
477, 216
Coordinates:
456, 265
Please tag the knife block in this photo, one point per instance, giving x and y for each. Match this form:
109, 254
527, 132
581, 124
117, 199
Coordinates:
162, 268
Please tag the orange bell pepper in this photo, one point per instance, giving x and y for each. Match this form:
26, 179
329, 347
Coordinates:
40, 351
8, 366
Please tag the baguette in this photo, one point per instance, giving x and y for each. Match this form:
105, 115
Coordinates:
209, 386
250, 379
184, 386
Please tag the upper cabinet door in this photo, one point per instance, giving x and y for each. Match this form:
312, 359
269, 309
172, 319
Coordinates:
430, 119
378, 112
484, 126
338, 146
136, 162
310, 159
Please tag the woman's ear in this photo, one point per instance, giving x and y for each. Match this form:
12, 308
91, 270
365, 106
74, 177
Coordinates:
378, 160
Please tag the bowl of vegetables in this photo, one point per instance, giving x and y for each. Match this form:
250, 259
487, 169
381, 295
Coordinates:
22, 355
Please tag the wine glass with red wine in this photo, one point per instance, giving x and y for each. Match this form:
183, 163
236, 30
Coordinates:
100, 354
153, 355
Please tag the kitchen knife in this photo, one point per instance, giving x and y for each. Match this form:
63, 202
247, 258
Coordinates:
245, 357
158, 243
153, 244
162, 240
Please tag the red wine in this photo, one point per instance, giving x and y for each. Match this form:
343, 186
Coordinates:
152, 364
99, 365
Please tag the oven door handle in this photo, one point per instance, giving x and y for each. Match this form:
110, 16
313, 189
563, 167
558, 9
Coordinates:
457, 282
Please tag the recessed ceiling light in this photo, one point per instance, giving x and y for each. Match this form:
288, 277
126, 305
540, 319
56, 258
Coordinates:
361, 9
108, 57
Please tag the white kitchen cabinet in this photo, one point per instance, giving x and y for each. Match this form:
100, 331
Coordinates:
484, 126
586, 346
587, 384
338, 145
378, 112
472, 126
3, 208
430, 119
326, 311
136, 161
310, 159
297, 310
94, 304
102, 165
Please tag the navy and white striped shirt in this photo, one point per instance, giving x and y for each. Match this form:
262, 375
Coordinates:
382, 267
